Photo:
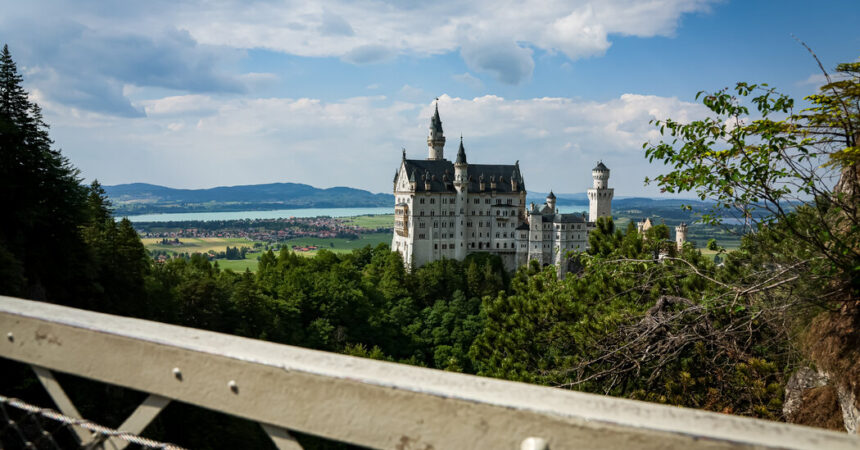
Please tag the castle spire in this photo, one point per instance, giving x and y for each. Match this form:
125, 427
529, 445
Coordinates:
436, 137
461, 153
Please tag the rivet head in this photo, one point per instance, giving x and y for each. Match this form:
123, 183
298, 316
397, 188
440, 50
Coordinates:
534, 443
233, 386
10, 337
177, 373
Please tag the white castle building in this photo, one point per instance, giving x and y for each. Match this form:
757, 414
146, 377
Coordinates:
448, 210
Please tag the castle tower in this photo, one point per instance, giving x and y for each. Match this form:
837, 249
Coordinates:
550, 201
461, 167
461, 184
436, 138
600, 196
681, 235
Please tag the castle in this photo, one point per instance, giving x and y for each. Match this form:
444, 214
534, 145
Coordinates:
448, 210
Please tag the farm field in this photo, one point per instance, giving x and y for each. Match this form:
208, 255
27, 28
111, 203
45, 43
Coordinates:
339, 245
374, 221
196, 245
217, 245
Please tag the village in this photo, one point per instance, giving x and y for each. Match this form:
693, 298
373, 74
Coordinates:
261, 230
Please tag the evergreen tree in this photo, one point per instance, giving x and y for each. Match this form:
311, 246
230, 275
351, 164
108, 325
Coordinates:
41, 250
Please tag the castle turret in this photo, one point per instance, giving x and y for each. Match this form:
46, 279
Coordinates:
600, 195
436, 138
461, 169
550, 201
681, 235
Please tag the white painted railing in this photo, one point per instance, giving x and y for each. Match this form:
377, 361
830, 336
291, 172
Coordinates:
366, 402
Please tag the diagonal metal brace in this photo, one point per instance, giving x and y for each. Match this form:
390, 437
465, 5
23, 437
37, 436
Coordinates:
140, 418
65, 405
134, 424
281, 437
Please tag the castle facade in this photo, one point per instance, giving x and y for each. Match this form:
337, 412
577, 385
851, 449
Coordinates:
448, 210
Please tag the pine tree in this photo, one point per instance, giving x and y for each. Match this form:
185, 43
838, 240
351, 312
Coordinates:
44, 199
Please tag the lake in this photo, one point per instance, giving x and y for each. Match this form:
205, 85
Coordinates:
287, 213
274, 214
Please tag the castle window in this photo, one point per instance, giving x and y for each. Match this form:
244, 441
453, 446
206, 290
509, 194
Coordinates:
421, 213
497, 235
444, 246
435, 246
444, 200
432, 212
422, 236
497, 245
487, 201
510, 201
451, 212
498, 213
443, 224
477, 201
435, 224
432, 201
421, 201
451, 224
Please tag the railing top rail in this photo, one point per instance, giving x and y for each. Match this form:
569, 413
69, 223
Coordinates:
367, 402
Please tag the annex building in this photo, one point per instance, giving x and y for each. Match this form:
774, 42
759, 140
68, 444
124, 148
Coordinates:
448, 210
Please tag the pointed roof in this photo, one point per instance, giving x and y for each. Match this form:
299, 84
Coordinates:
461, 153
551, 196
600, 167
435, 121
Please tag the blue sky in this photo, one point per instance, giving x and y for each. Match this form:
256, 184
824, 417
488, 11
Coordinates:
199, 94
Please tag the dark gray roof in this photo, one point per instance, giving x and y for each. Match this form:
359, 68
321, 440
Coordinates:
440, 172
461, 153
435, 121
551, 195
601, 167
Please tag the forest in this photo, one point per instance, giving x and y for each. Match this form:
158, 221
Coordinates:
637, 318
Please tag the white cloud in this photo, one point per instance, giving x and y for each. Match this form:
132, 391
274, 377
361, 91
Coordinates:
469, 80
506, 61
493, 37
356, 142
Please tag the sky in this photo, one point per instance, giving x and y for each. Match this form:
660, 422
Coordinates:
196, 94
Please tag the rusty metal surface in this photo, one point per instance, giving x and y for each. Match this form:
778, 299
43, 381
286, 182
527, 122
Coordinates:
366, 402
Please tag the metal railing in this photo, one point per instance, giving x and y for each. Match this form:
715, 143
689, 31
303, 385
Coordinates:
360, 401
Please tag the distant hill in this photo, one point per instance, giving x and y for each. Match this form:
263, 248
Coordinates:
143, 198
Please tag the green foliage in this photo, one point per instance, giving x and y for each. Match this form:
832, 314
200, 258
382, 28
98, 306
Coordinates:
764, 166
43, 200
623, 325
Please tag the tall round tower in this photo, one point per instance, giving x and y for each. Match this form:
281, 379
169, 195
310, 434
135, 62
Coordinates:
436, 138
600, 195
681, 235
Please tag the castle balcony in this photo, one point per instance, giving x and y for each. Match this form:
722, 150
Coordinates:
360, 401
